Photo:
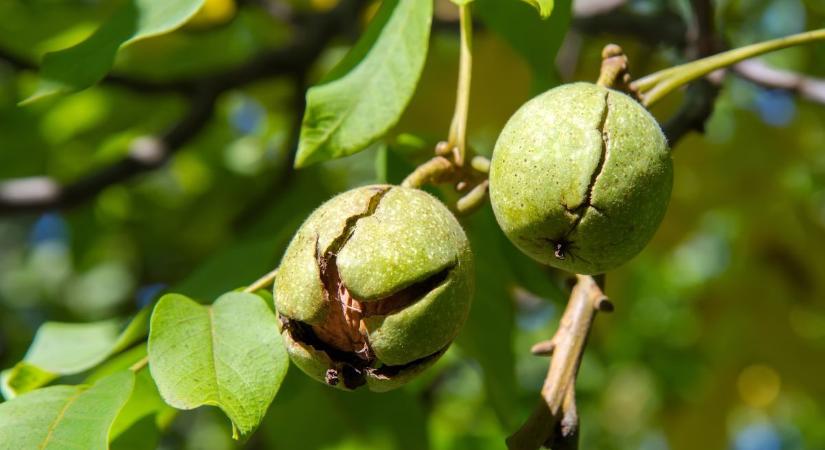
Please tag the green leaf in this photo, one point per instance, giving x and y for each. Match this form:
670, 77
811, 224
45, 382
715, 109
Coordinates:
342, 420
22, 378
488, 336
545, 7
535, 39
144, 402
228, 355
69, 348
121, 361
142, 435
365, 95
65, 417
86, 63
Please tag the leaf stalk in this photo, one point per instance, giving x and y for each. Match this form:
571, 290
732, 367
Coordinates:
657, 85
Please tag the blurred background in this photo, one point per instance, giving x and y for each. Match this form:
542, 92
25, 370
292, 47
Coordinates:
718, 338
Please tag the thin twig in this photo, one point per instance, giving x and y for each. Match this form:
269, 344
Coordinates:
758, 72
435, 170
666, 27
263, 282
136, 367
473, 199
701, 94
554, 421
696, 108
41, 193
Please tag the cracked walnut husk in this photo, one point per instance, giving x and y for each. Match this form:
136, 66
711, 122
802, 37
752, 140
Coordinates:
580, 178
374, 287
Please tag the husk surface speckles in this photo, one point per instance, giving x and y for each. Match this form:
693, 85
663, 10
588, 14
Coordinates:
580, 178
373, 287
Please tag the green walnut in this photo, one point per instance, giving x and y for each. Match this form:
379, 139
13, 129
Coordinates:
580, 178
374, 287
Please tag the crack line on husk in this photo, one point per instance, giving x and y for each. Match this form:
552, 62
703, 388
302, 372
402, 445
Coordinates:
562, 245
587, 202
346, 365
343, 335
343, 327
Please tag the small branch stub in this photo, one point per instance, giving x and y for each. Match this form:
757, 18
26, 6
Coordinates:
615, 70
543, 348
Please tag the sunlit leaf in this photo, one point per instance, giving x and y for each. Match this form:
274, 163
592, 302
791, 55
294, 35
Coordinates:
65, 417
138, 425
22, 378
144, 402
544, 7
69, 348
228, 355
142, 435
365, 95
488, 335
86, 63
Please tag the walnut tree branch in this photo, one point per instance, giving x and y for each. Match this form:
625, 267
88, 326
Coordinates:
665, 28
656, 86
554, 422
19, 62
762, 74
36, 194
312, 31
42, 193
701, 94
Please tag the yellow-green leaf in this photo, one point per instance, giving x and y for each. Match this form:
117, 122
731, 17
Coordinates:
65, 417
68, 348
545, 7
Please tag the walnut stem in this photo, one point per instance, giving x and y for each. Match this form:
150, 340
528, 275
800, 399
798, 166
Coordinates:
458, 128
655, 86
262, 282
451, 155
555, 421
138, 366
433, 170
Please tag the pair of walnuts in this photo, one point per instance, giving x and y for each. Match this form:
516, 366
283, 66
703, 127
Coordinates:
378, 281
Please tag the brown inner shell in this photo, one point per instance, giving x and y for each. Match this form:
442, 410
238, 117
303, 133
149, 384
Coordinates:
343, 335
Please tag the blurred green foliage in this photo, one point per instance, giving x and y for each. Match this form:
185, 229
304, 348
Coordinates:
719, 332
